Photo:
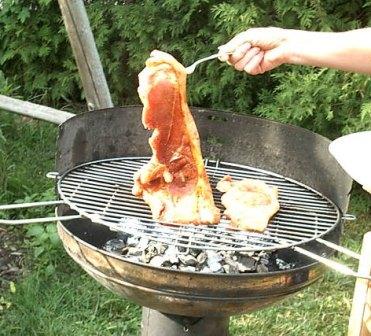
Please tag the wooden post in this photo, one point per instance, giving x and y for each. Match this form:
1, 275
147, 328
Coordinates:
86, 54
34, 110
360, 317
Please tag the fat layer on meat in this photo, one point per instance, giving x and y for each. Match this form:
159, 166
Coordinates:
174, 183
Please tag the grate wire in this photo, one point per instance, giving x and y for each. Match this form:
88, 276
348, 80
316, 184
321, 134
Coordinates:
101, 191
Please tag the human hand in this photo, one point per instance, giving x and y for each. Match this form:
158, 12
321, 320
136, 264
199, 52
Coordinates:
256, 50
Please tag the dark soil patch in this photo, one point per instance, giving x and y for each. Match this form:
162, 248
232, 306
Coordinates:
12, 257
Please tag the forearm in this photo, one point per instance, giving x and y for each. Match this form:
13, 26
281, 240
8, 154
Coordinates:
350, 51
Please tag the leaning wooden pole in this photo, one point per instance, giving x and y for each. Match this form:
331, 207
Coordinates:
86, 54
34, 110
360, 317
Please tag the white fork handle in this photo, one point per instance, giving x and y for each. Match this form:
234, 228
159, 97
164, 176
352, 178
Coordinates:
34, 220
190, 69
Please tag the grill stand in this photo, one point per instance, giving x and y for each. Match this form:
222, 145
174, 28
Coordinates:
155, 323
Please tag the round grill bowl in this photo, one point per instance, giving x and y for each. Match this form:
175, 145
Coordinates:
290, 151
181, 293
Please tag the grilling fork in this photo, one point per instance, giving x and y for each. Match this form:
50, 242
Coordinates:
190, 69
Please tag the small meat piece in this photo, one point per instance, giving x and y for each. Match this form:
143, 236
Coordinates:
249, 203
174, 182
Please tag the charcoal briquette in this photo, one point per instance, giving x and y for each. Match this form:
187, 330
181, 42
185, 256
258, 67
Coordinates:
114, 244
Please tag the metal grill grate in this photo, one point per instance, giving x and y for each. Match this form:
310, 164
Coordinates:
101, 191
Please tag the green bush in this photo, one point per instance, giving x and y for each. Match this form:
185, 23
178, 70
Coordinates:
36, 58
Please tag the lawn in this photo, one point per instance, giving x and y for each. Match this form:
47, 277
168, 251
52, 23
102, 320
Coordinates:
54, 297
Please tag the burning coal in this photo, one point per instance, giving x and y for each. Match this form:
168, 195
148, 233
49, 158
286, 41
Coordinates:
159, 254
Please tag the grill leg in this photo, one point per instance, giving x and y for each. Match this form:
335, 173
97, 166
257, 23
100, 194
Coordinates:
155, 323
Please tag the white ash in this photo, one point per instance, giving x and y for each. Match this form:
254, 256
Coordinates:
157, 254
157, 261
187, 260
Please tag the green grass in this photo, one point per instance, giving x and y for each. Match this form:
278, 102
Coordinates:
27, 150
55, 297
320, 310
67, 302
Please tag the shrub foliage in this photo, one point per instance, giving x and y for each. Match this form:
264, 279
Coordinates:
37, 62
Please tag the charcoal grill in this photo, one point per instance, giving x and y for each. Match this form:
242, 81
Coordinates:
309, 216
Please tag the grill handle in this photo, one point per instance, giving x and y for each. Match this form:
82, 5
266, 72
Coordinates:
34, 220
331, 263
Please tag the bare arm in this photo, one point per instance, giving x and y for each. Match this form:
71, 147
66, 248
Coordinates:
261, 49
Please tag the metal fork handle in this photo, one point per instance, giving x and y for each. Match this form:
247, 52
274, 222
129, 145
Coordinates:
34, 220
